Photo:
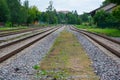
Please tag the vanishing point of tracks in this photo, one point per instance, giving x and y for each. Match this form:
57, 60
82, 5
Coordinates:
12, 48
108, 43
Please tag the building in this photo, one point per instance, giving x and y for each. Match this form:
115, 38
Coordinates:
64, 12
107, 8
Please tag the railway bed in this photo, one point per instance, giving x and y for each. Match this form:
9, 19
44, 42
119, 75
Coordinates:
10, 42
20, 35
106, 65
20, 68
7, 33
13, 48
26, 59
108, 43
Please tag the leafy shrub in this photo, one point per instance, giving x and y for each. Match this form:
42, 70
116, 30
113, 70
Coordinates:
8, 24
104, 19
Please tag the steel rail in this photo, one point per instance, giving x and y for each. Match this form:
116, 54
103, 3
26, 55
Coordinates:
10, 54
117, 53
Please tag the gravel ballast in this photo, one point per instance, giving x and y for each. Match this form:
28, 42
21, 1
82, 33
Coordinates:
21, 68
105, 67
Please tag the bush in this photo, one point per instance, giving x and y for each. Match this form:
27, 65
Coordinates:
104, 19
8, 24
116, 13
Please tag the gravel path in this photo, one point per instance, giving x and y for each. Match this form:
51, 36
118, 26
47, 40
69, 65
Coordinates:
105, 66
21, 67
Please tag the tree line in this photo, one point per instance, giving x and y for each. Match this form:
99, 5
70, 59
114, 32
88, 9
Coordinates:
51, 16
13, 13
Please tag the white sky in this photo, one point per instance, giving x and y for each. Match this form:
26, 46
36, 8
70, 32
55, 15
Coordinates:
79, 5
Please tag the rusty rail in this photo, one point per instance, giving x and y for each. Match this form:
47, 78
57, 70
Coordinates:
5, 57
17, 32
100, 43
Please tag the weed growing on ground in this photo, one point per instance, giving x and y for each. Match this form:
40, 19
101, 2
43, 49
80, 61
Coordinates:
50, 74
66, 60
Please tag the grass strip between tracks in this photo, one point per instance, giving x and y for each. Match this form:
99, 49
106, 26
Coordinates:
68, 57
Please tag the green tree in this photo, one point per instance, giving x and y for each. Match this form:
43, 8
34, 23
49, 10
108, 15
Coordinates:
116, 14
100, 18
52, 14
50, 7
61, 18
44, 17
23, 14
26, 4
73, 18
15, 9
77, 18
105, 2
33, 14
104, 19
4, 11
84, 17
53, 17
115, 1
25, 9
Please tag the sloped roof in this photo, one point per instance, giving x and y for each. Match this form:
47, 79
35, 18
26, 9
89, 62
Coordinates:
65, 12
107, 8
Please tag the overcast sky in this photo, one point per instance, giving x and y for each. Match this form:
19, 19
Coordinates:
79, 5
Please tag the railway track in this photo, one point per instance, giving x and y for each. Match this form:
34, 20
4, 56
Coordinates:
10, 38
2, 45
108, 43
10, 49
17, 31
1, 31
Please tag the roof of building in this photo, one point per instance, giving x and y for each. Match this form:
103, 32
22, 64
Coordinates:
107, 8
65, 12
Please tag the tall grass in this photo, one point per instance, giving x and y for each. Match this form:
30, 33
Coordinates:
84, 27
107, 31
12, 28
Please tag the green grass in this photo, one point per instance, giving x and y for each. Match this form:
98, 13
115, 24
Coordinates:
3, 28
84, 27
107, 31
12, 28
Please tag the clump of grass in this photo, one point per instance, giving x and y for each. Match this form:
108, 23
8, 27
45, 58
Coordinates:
108, 32
84, 27
12, 28
50, 74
